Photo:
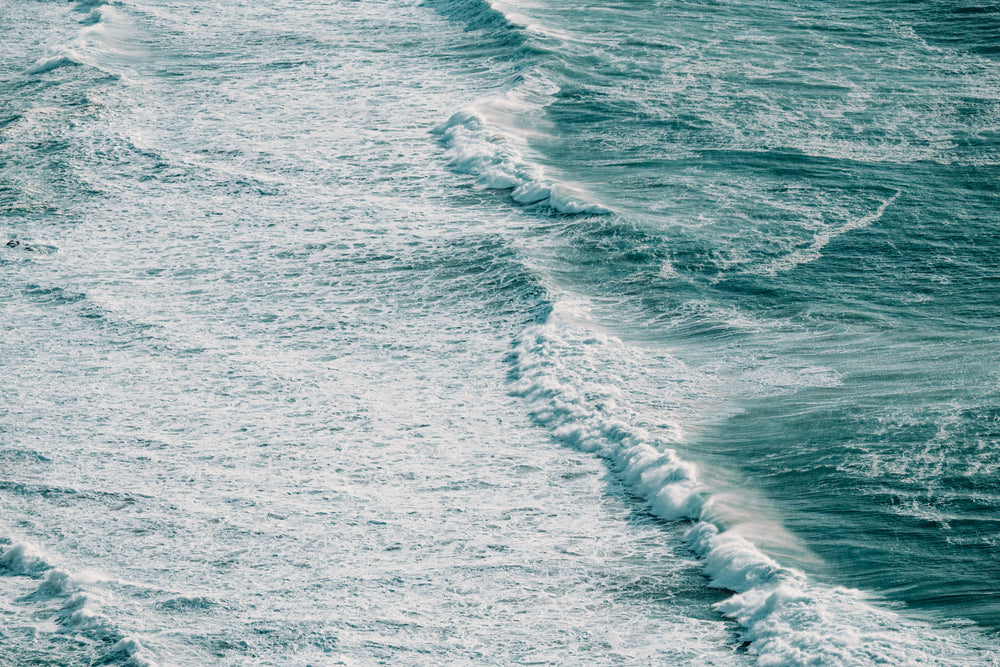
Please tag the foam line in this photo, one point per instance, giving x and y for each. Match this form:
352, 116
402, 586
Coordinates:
822, 238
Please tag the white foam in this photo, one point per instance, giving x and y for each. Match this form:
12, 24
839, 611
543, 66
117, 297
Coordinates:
80, 614
790, 619
65, 58
131, 651
77, 597
477, 148
103, 34
532, 192
23, 560
58, 583
583, 415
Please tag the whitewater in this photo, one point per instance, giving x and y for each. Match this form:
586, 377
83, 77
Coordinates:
481, 332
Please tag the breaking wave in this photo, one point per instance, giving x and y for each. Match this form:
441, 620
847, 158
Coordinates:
474, 147
69, 604
787, 618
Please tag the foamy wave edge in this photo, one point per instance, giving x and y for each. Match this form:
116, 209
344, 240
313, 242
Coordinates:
77, 601
787, 618
473, 147
88, 40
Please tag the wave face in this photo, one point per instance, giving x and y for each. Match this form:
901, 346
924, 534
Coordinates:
474, 331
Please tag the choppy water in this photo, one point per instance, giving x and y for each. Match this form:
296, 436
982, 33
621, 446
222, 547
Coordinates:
475, 332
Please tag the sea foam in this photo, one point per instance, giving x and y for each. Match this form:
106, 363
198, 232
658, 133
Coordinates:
70, 603
102, 35
788, 618
475, 147
23, 560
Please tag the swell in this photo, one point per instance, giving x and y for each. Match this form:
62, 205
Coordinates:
577, 381
972, 26
495, 30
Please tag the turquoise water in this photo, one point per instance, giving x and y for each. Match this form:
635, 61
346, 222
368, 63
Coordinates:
499, 332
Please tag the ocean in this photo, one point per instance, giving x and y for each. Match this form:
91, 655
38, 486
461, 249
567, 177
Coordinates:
424, 332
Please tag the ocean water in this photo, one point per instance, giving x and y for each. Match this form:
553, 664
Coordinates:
492, 332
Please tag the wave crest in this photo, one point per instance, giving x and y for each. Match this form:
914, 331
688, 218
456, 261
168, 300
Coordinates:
474, 147
70, 602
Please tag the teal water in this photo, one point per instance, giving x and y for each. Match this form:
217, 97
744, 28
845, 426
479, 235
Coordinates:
800, 189
499, 332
